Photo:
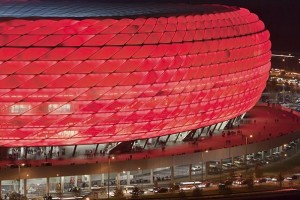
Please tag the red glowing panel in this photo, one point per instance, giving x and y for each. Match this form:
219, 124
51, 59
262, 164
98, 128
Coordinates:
72, 81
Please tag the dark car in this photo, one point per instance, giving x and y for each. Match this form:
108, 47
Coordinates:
260, 180
137, 191
12, 165
162, 190
46, 164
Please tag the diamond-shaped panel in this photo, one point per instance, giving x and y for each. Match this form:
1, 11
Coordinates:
80, 81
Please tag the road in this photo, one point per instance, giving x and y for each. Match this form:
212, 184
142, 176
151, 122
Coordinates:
286, 194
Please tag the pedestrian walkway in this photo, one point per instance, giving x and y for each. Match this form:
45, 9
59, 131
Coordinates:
263, 122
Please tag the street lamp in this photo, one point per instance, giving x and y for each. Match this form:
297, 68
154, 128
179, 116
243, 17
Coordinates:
140, 169
19, 170
246, 165
280, 173
202, 164
108, 174
231, 162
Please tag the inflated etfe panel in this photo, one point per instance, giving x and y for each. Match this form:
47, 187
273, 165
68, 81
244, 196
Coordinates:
68, 80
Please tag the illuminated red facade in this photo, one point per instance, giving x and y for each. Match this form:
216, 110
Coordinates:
97, 80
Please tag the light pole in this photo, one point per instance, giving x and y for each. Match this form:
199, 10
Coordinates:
231, 163
202, 163
280, 173
19, 170
140, 169
246, 165
108, 174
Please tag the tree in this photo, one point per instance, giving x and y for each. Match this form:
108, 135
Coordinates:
155, 183
173, 187
258, 172
17, 196
231, 174
136, 192
250, 183
197, 192
58, 190
280, 179
119, 193
76, 191
182, 195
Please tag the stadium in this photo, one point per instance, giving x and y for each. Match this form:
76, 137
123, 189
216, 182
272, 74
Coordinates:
114, 88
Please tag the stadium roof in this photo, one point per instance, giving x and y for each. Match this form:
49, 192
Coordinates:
82, 9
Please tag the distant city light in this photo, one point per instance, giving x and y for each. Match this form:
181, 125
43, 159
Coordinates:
282, 55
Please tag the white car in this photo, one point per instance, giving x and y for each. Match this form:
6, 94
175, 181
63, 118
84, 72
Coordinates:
96, 187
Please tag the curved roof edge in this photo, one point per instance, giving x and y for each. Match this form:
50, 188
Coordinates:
102, 9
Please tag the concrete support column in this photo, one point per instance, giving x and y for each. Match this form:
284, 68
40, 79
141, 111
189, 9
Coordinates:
263, 155
0, 188
89, 182
128, 178
102, 179
151, 176
206, 164
62, 184
118, 180
47, 185
25, 187
75, 181
221, 169
232, 160
14, 186
190, 172
172, 174
22, 154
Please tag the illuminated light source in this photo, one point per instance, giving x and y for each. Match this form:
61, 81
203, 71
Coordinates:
107, 79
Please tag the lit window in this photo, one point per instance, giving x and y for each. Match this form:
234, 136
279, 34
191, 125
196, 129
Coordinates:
19, 108
66, 133
59, 108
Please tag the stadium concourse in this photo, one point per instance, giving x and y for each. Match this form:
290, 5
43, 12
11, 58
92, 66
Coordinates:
265, 127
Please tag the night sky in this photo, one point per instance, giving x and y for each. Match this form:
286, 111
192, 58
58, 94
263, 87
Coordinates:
281, 17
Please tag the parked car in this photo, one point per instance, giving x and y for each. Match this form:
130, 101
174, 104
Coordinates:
260, 180
161, 190
204, 184
12, 165
96, 187
46, 164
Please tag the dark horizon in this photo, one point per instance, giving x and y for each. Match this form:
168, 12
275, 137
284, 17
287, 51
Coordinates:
281, 18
